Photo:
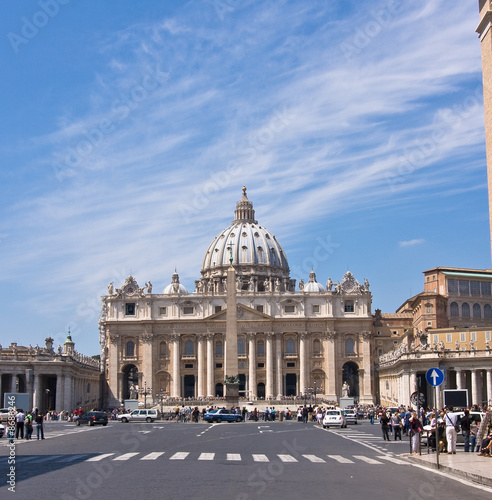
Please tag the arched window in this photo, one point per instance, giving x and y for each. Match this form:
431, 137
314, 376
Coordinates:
290, 347
465, 310
261, 347
130, 349
487, 311
454, 309
349, 346
189, 348
240, 347
316, 346
218, 348
477, 311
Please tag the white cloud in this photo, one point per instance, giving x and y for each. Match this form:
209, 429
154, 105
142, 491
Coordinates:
411, 243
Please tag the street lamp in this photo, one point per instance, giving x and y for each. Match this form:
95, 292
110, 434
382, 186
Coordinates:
145, 394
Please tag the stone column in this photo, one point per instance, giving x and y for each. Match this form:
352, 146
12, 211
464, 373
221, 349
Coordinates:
475, 388
459, 380
230, 358
67, 394
269, 365
148, 362
278, 363
252, 365
330, 366
303, 382
489, 387
60, 385
13, 383
201, 366
176, 364
210, 365
37, 397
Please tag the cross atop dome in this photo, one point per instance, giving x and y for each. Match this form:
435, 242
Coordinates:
244, 210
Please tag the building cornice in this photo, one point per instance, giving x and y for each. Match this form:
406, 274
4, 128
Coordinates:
484, 25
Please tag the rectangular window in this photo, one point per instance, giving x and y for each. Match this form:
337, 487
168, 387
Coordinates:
188, 365
218, 365
486, 289
429, 323
261, 365
449, 338
289, 309
315, 309
462, 337
291, 365
162, 311
473, 336
349, 306
130, 309
380, 352
188, 310
435, 339
259, 308
464, 287
475, 288
218, 309
487, 336
452, 287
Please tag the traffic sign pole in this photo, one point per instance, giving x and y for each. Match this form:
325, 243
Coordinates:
437, 428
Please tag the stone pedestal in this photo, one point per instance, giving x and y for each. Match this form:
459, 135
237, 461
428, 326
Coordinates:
232, 394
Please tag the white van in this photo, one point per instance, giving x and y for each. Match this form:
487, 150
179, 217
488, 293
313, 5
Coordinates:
139, 416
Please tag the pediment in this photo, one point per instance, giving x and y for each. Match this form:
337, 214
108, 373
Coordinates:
244, 313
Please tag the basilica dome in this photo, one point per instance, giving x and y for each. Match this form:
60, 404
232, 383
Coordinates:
252, 250
175, 286
312, 286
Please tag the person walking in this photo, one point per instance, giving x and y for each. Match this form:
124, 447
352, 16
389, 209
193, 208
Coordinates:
384, 420
396, 424
28, 425
466, 429
451, 419
415, 430
19, 424
40, 424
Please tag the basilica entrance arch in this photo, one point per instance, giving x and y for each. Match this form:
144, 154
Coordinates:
130, 382
351, 376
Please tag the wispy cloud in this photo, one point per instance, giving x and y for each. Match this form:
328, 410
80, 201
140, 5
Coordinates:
411, 243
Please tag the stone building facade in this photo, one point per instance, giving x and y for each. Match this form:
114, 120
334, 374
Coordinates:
290, 340
55, 380
451, 330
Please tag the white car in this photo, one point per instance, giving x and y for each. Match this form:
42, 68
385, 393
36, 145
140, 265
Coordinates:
334, 418
139, 416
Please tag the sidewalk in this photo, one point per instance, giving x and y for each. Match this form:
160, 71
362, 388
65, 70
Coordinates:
468, 465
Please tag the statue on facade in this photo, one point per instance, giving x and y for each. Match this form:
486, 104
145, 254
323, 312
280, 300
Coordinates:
345, 390
329, 285
251, 286
277, 285
149, 286
301, 285
366, 284
133, 391
266, 285
110, 288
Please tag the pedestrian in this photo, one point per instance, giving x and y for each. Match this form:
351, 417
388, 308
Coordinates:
396, 424
371, 415
415, 431
384, 421
40, 424
28, 425
451, 420
473, 436
465, 430
19, 424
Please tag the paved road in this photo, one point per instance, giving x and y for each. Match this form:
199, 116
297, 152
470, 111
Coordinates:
243, 461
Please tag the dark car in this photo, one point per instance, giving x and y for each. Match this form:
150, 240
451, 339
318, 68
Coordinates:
92, 418
222, 415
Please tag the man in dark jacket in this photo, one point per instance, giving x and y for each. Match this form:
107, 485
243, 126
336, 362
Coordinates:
465, 429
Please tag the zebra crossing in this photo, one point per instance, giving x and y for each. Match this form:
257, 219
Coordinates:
49, 434
211, 457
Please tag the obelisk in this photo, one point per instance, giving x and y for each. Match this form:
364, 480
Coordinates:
230, 362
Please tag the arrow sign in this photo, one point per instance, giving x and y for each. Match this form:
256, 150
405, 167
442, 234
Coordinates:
434, 377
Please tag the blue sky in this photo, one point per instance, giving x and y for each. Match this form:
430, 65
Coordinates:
128, 130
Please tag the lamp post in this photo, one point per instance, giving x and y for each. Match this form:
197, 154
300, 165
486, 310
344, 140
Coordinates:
145, 394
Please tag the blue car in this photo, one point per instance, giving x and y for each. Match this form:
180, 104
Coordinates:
222, 415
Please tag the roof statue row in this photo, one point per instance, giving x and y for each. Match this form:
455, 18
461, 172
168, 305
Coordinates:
259, 259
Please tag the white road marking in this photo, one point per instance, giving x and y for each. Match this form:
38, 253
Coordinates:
180, 455
287, 458
98, 458
153, 456
260, 458
368, 460
234, 456
126, 456
340, 459
314, 459
206, 456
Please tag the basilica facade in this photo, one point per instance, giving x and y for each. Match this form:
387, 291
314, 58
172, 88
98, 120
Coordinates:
291, 338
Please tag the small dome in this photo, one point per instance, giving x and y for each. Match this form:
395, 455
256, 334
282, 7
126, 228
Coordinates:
175, 286
312, 286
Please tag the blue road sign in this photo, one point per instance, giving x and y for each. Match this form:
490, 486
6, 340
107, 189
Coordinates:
434, 377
